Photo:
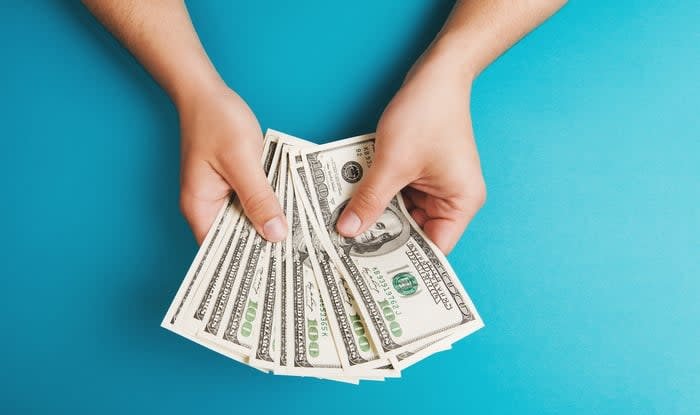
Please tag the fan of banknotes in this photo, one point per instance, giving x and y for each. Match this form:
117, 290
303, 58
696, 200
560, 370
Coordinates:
318, 304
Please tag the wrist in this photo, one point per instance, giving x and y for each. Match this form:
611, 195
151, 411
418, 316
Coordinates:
195, 87
450, 55
442, 65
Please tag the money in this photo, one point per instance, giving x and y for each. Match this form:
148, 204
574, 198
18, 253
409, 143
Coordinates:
355, 348
264, 350
317, 304
238, 298
406, 290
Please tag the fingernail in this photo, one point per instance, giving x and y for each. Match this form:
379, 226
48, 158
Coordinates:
274, 230
349, 224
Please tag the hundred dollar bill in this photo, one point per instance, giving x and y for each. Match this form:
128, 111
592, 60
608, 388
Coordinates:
406, 359
405, 289
230, 258
355, 347
240, 298
201, 262
264, 352
282, 335
226, 264
278, 349
292, 306
285, 333
312, 351
208, 252
266, 344
339, 287
324, 336
186, 320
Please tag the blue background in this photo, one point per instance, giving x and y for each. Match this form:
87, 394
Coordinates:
584, 263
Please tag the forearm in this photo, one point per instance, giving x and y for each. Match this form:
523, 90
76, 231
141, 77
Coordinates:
161, 36
478, 31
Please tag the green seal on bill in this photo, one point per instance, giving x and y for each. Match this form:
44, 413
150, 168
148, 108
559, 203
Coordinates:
405, 283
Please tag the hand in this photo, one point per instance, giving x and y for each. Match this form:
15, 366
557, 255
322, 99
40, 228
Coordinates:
425, 146
221, 152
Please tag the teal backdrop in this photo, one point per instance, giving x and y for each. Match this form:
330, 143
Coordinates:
584, 263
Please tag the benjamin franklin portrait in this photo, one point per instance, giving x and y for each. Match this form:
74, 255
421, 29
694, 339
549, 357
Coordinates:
388, 233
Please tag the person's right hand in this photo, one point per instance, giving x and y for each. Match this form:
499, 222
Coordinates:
221, 151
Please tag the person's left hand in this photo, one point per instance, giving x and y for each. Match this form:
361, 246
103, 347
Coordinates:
425, 146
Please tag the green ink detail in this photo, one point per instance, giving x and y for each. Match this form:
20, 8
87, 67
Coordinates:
390, 317
312, 333
359, 328
247, 326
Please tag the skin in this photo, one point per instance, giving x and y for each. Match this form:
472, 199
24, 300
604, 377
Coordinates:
429, 123
387, 223
222, 141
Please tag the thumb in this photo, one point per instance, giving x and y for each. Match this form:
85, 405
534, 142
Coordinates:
372, 196
257, 198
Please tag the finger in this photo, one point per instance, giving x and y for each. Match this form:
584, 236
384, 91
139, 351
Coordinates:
417, 198
200, 214
259, 202
419, 216
445, 232
372, 196
203, 191
407, 200
445, 229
